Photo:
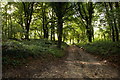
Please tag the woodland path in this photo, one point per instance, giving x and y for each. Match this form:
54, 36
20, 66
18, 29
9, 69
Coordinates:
77, 64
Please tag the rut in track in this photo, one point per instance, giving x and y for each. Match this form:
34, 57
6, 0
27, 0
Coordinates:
77, 64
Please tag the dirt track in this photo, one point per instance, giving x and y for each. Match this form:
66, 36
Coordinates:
77, 64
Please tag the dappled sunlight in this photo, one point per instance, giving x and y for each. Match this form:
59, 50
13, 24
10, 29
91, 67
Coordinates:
86, 63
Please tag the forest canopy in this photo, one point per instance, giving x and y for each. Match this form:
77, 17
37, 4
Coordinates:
71, 22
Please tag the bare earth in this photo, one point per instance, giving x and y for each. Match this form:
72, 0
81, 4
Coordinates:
77, 64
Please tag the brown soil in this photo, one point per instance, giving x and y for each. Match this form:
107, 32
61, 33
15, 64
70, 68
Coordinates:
77, 64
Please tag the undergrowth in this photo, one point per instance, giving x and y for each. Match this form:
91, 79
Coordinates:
104, 48
16, 52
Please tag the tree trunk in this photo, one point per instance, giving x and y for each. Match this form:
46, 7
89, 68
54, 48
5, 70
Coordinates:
60, 29
113, 35
11, 33
28, 10
70, 41
118, 21
90, 29
110, 21
89, 35
53, 33
43, 25
116, 30
6, 21
115, 25
27, 31
45, 28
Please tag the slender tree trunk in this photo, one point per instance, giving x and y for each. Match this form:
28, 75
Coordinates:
118, 21
92, 34
104, 36
64, 36
70, 41
41, 32
8, 27
113, 35
78, 40
45, 28
53, 33
11, 27
73, 40
6, 21
27, 32
43, 21
28, 10
47, 31
110, 22
116, 30
21, 23
115, 25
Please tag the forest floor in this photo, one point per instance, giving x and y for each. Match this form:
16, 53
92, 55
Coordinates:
76, 64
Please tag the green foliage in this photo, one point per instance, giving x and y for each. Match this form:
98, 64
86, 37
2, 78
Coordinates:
103, 48
56, 52
25, 49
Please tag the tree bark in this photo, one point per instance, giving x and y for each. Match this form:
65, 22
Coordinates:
45, 28
28, 10
60, 29
110, 22
87, 18
115, 25
118, 21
